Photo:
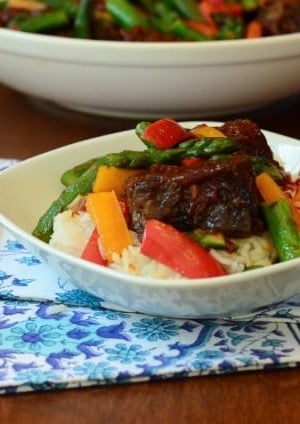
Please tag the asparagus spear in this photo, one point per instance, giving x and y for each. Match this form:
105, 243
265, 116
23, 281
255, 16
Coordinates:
45, 22
283, 230
69, 176
82, 19
126, 14
84, 183
204, 147
189, 9
68, 6
125, 159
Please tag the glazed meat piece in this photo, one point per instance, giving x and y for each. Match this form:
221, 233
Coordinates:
218, 196
279, 16
249, 135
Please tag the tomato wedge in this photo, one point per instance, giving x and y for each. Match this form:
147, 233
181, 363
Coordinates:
91, 251
164, 133
170, 247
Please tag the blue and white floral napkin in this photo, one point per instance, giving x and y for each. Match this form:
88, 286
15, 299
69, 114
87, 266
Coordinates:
54, 336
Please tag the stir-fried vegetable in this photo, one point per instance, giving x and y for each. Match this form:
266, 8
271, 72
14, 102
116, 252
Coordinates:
195, 154
283, 229
111, 226
111, 178
91, 251
162, 134
152, 20
171, 247
272, 192
126, 159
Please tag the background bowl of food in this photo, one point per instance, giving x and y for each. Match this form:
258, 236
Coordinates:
205, 227
149, 59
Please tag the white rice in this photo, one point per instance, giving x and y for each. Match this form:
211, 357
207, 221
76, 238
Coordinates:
73, 229
133, 262
254, 251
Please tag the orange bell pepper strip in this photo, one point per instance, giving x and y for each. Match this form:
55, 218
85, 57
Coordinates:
204, 130
112, 229
206, 28
268, 188
254, 30
111, 178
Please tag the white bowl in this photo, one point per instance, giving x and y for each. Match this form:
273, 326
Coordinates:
140, 79
28, 188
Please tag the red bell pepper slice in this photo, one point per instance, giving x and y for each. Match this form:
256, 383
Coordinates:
209, 28
210, 7
167, 245
91, 251
164, 133
192, 162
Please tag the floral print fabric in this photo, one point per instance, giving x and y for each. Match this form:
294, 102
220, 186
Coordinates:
54, 336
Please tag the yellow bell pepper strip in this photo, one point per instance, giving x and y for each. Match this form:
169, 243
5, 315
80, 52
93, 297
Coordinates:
30, 5
162, 134
167, 245
204, 130
91, 251
111, 226
111, 178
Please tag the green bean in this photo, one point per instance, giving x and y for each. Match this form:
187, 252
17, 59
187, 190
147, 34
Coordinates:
43, 23
188, 8
250, 5
82, 19
126, 15
182, 31
3, 4
68, 6
231, 29
169, 20
283, 229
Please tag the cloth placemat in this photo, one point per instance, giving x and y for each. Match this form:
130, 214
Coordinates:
55, 336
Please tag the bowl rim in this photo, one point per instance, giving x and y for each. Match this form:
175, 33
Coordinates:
67, 49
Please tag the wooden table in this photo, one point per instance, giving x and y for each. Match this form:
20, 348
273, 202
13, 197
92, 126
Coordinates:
28, 127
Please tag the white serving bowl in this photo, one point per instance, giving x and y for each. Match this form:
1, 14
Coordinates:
149, 80
28, 188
